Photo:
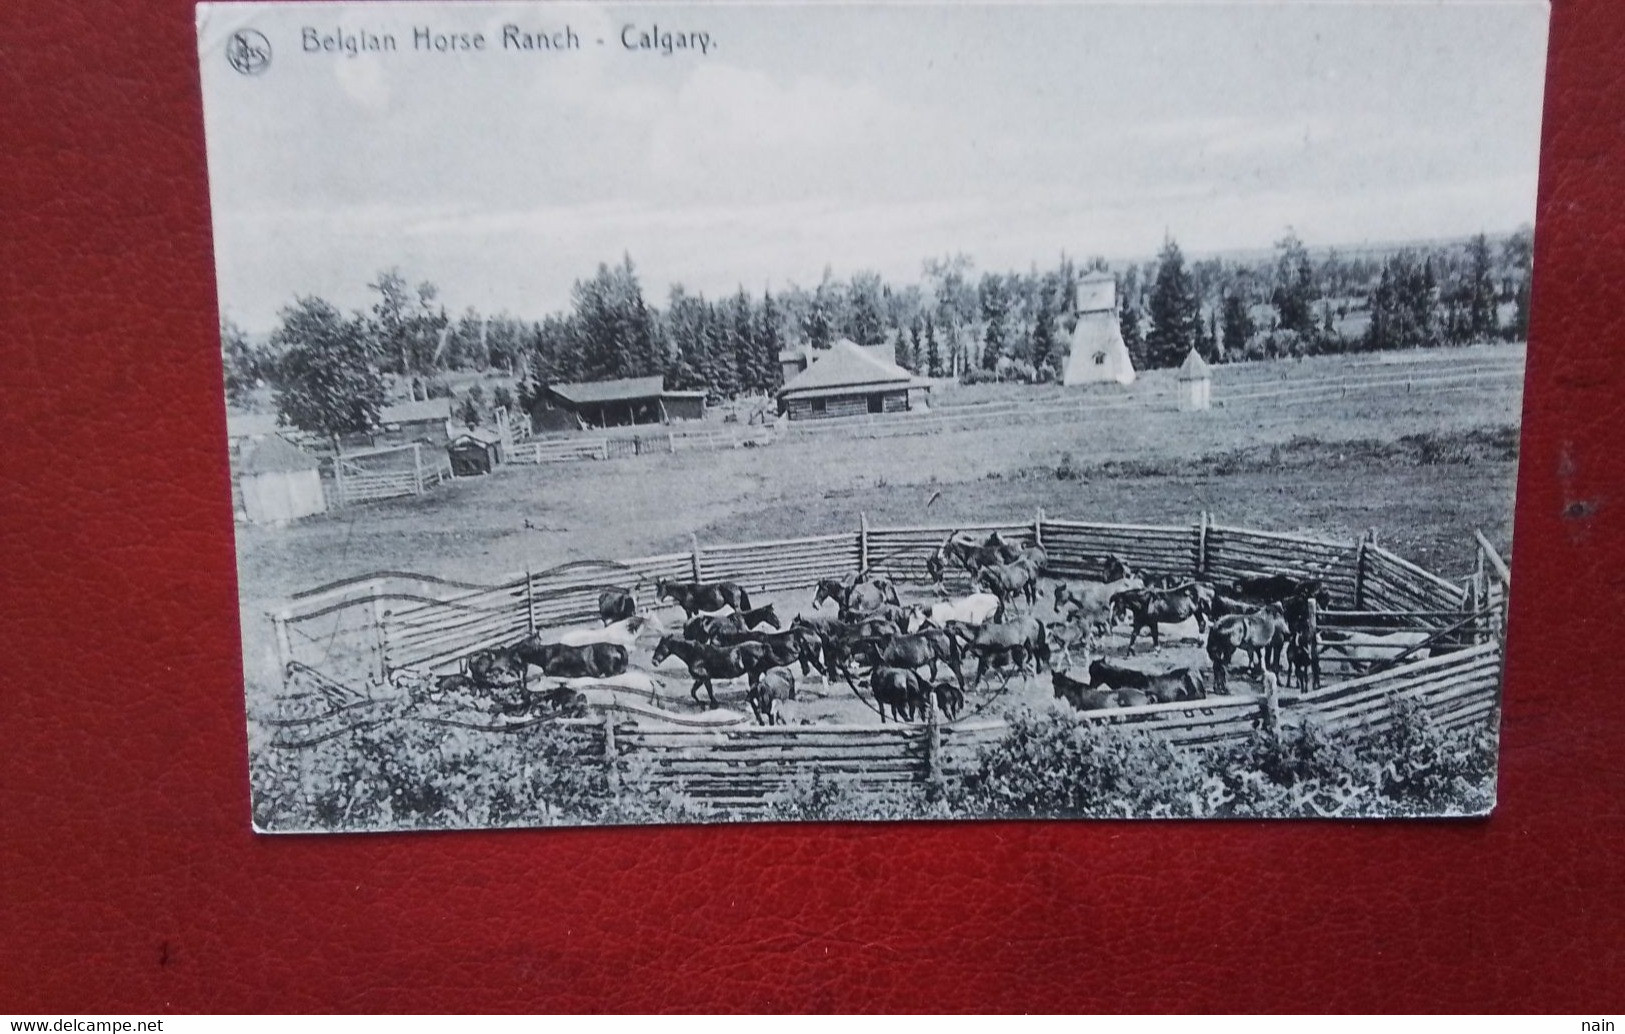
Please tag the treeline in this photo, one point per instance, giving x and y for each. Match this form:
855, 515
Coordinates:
328, 369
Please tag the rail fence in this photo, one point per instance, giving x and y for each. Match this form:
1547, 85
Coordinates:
387, 473
371, 627
611, 447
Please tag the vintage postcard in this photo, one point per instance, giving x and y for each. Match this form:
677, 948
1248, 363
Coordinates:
647, 413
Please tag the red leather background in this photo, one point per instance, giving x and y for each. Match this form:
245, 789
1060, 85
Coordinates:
129, 879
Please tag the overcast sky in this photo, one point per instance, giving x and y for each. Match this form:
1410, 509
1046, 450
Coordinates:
858, 137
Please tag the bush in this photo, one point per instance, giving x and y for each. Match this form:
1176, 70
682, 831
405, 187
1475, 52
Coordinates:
1049, 766
1067, 469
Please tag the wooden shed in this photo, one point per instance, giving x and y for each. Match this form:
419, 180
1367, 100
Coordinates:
474, 451
279, 482
1195, 380
847, 379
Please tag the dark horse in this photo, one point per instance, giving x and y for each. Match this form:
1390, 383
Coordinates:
855, 595
694, 597
706, 662
1151, 607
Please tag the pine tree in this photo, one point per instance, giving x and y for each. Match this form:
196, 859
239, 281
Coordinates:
933, 354
1236, 326
1482, 324
1128, 323
1176, 312
995, 309
769, 344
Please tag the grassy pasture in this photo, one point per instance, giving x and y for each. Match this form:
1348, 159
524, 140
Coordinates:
1424, 467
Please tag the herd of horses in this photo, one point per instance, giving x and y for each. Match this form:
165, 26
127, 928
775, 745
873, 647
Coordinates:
912, 658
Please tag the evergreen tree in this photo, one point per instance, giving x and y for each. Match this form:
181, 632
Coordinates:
1128, 322
1294, 292
995, 309
1402, 305
1176, 312
1235, 325
1048, 347
1481, 322
769, 344
933, 353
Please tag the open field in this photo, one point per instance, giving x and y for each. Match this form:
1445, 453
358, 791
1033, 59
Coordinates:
1329, 466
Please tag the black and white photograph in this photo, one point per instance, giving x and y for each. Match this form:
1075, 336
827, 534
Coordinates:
761, 412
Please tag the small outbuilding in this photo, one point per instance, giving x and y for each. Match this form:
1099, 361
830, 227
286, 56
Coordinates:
623, 402
1195, 380
850, 380
474, 451
278, 481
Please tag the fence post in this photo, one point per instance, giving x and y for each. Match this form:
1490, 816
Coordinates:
417, 468
1366, 540
863, 542
694, 555
338, 475
1201, 543
380, 623
530, 604
933, 747
284, 648
671, 442
612, 756
1038, 528
1314, 642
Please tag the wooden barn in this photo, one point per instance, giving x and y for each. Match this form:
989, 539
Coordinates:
849, 380
278, 482
625, 402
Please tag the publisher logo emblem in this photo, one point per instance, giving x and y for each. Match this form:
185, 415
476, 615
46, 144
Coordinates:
249, 51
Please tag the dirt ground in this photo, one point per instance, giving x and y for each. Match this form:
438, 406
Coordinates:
1327, 466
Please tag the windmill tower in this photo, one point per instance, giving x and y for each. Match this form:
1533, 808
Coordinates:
1098, 352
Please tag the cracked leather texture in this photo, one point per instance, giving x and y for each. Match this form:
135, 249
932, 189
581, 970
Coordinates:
130, 881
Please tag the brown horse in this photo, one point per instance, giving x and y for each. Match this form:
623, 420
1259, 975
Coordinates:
694, 597
1151, 607
1261, 635
1006, 581
706, 663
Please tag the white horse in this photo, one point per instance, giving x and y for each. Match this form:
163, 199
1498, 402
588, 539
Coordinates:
976, 609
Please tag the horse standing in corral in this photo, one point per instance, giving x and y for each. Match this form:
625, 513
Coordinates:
694, 597
1015, 640
976, 609
932, 647
1149, 608
1007, 581
1262, 635
801, 646
706, 662
1091, 602
704, 628
856, 595
901, 690
776, 686
616, 604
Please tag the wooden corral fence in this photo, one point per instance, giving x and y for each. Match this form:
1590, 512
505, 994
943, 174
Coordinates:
362, 631
388, 473
611, 447
411, 621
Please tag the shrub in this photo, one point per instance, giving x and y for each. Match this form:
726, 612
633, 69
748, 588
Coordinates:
1067, 469
1049, 766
